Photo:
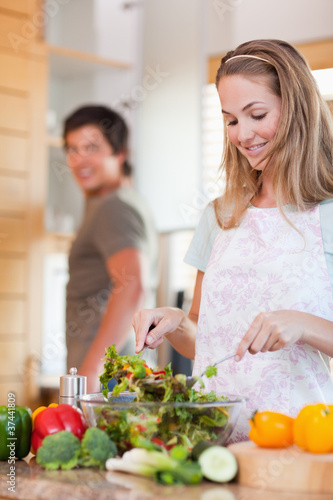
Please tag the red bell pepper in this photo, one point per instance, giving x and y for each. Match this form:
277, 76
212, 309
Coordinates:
159, 374
52, 420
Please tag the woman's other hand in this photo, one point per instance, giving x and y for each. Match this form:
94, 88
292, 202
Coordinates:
165, 320
271, 331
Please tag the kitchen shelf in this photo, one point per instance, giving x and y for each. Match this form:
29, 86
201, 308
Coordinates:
68, 63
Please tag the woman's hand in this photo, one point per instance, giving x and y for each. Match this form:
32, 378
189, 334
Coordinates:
164, 319
271, 331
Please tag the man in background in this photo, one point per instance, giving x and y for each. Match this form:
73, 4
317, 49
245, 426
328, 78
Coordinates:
113, 260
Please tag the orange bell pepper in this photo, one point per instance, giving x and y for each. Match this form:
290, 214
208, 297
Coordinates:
313, 428
271, 429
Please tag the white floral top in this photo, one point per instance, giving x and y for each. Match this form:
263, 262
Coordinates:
263, 265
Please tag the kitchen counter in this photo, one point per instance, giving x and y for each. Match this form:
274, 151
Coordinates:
34, 483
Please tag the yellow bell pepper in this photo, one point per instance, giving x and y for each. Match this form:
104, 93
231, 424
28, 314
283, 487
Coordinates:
148, 370
41, 408
313, 428
271, 429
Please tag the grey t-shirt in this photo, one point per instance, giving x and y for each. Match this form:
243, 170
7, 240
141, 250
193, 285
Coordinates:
111, 223
202, 243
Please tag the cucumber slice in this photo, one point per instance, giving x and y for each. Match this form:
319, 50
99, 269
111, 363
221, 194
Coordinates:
218, 464
199, 448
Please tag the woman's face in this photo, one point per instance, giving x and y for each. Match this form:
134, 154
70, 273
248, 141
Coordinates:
252, 115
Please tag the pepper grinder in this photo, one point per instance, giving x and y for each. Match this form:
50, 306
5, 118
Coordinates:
72, 386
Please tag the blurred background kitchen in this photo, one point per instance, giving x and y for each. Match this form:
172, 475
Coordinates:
154, 61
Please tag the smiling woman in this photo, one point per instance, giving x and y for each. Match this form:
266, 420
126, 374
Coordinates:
263, 249
276, 73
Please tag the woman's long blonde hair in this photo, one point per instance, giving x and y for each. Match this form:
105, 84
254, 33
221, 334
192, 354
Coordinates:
302, 150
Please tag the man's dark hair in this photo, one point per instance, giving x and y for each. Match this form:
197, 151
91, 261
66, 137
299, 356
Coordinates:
112, 126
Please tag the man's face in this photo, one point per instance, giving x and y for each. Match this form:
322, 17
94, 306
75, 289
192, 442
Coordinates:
96, 168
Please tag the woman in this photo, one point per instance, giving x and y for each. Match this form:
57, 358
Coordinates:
263, 250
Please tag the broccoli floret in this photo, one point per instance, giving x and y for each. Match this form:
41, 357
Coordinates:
96, 448
61, 449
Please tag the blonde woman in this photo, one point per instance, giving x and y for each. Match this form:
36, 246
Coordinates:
264, 249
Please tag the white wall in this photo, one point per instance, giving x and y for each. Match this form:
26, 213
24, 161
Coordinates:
168, 124
231, 22
69, 24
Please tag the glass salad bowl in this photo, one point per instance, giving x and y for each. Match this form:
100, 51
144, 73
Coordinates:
129, 423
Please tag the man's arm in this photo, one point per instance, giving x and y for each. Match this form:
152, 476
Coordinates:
127, 270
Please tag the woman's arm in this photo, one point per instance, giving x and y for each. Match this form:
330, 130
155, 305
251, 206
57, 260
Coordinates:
271, 331
179, 328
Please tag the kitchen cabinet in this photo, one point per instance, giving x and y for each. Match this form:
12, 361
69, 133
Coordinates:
22, 100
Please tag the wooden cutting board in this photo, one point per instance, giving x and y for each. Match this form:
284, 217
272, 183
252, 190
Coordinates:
288, 469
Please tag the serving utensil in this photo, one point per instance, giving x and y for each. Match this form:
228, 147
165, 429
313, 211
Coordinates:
218, 362
143, 350
190, 381
145, 346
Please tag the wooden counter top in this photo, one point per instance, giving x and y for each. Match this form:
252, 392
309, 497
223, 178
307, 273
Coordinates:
34, 483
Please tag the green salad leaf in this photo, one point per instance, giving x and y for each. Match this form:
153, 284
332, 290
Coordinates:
211, 371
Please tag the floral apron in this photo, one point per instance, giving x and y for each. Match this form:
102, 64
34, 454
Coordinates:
265, 265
